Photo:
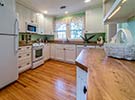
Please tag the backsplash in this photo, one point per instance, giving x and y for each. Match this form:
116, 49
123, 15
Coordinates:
130, 25
35, 37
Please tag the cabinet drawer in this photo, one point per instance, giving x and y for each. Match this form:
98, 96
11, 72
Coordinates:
24, 48
24, 55
28, 47
25, 62
28, 63
21, 49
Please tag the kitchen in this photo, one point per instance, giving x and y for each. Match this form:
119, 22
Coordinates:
63, 50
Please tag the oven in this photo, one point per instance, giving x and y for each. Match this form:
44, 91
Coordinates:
37, 54
38, 58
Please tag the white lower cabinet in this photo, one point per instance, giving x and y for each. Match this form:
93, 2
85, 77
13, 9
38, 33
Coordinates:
81, 84
24, 58
59, 52
63, 52
70, 53
53, 51
46, 52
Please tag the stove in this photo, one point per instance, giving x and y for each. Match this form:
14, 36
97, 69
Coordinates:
38, 58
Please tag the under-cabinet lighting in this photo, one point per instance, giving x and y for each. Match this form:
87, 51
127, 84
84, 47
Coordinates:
114, 12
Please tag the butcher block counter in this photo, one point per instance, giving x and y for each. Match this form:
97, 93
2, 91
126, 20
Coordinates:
108, 78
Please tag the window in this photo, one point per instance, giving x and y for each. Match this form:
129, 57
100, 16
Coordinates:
61, 30
70, 28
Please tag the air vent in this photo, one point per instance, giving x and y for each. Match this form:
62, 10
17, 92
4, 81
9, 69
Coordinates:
62, 7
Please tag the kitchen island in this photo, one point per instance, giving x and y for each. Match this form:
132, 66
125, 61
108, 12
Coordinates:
108, 78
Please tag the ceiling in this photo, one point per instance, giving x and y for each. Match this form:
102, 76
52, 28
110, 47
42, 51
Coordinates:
53, 6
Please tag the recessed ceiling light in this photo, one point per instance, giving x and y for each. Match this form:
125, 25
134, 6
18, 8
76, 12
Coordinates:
46, 12
86, 1
66, 12
124, 1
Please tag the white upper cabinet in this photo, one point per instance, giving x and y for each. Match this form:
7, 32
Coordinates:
25, 15
94, 20
44, 23
41, 23
49, 25
118, 10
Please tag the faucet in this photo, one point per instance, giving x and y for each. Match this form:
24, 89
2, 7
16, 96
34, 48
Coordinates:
67, 40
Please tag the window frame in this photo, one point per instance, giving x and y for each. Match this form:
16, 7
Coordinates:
68, 29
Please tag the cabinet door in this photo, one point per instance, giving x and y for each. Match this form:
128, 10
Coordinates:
48, 25
41, 24
81, 84
83, 90
46, 52
70, 53
21, 16
60, 52
53, 51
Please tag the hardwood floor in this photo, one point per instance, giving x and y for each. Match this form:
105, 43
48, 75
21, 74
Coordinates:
52, 81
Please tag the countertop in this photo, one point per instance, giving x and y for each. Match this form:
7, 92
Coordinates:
108, 78
64, 42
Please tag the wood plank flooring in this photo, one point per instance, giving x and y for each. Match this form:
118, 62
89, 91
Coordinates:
52, 81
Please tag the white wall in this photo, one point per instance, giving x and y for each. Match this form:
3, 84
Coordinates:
94, 20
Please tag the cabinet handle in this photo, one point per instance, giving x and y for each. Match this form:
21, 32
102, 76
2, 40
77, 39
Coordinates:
28, 47
28, 54
19, 49
20, 56
28, 63
84, 90
19, 66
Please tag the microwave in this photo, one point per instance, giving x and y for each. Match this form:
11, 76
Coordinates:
31, 27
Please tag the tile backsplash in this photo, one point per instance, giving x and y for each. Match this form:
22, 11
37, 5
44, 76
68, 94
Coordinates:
35, 37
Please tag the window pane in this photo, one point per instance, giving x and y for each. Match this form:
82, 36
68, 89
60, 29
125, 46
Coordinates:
60, 27
76, 29
61, 35
75, 34
61, 30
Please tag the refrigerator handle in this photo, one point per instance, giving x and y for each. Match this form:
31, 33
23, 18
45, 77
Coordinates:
16, 31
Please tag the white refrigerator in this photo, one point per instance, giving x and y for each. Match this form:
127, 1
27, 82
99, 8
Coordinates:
8, 42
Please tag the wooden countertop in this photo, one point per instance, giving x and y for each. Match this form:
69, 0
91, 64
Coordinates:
21, 43
73, 42
108, 78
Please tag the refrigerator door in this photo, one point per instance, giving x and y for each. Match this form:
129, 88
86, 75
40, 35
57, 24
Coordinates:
7, 17
8, 60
